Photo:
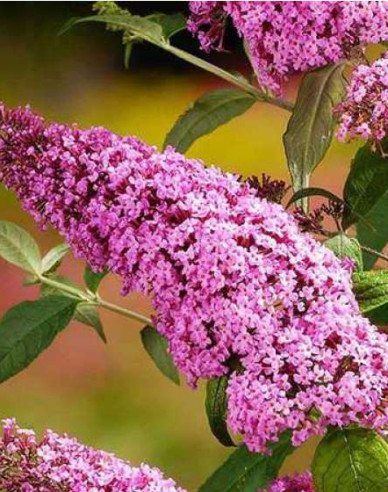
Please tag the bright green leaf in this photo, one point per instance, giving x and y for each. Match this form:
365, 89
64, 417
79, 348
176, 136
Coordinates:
19, 248
53, 258
157, 348
247, 472
29, 328
216, 409
366, 184
371, 289
89, 315
351, 460
310, 128
206, 114
93, 279
346, 247
372, 231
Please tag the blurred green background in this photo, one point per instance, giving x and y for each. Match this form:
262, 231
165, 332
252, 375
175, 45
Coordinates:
112, 396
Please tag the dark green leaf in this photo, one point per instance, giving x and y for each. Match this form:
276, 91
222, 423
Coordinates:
170, 23
372, 231
19, 248
313, 192
351, 460
89, 315
247, 472
206, 114
379, 316
310, 129
371, 289
29, 328
156, 347
367, 182
216, 409
54, 257
93, 280
346, 247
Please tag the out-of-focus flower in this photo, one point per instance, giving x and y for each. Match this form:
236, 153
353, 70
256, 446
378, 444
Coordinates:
287, 37
231, 275
62, 464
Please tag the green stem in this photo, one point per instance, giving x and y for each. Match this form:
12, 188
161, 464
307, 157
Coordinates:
224, 74
374, 252
137, 32
94, 300
123, 311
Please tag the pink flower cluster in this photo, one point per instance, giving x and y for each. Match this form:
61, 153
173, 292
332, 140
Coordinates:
287, 37
302, 482
62, 464
364, 111
233, 280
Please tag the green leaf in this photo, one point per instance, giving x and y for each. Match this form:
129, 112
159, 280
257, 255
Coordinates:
372, 231
29, 328
346, 247
371, 289
89, 315
133, 24
19, 248
206, 114
54, 257
216, 409
93, 279
351, 460
247, 472
366, 183
379, 316
170, 23
310, 128
305, 192
156, 347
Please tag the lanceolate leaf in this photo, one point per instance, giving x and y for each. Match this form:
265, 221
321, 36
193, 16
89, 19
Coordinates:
206, 114
310, 128
156, 347
19, 248
372, 231
366, 184
89, 315
346, 247
216, 409
53, 258
93, 280
351, 460
247, 472
371, 289
29, 328
134, 24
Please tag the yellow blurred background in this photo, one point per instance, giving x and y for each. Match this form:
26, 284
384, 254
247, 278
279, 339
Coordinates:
112, 396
